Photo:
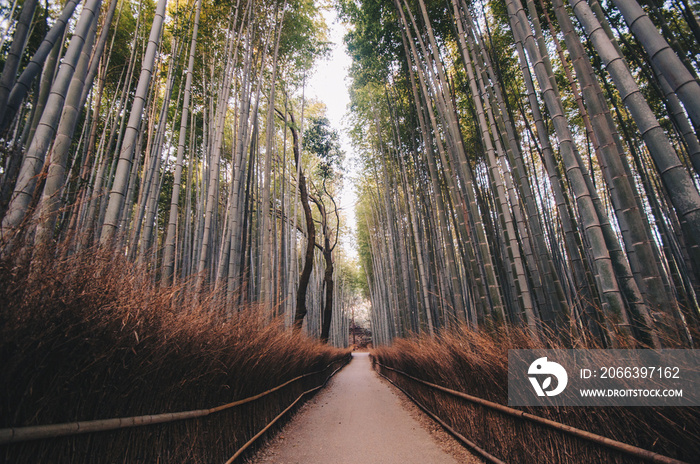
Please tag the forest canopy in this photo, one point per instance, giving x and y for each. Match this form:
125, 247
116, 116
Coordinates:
522, 164
529, 163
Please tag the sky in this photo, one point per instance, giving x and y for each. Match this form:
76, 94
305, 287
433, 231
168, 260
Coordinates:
329, 84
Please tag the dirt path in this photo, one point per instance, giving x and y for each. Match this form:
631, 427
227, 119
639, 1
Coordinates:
357, 418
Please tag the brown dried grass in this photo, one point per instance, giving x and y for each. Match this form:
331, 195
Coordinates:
91, 337
477, 364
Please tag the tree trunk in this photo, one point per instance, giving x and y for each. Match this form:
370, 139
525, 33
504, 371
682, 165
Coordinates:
305, 275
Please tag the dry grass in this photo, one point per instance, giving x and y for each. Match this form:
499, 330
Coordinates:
477, 364
90, 337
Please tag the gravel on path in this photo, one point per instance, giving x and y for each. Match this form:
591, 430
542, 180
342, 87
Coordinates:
360, 418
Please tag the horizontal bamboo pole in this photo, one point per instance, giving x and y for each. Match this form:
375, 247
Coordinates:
482, 452
37, 432
598, 439
267, 427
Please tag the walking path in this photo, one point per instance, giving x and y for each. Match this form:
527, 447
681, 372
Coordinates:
357, 418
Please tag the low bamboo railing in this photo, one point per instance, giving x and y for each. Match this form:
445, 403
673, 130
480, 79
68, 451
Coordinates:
266, 428
38, 432
625, 448
470, 444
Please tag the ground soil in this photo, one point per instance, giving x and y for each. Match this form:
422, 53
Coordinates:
361, 418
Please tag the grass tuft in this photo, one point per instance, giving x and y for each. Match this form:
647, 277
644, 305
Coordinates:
477, 364
89, 336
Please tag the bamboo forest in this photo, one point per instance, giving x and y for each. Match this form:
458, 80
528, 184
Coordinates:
186, 221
